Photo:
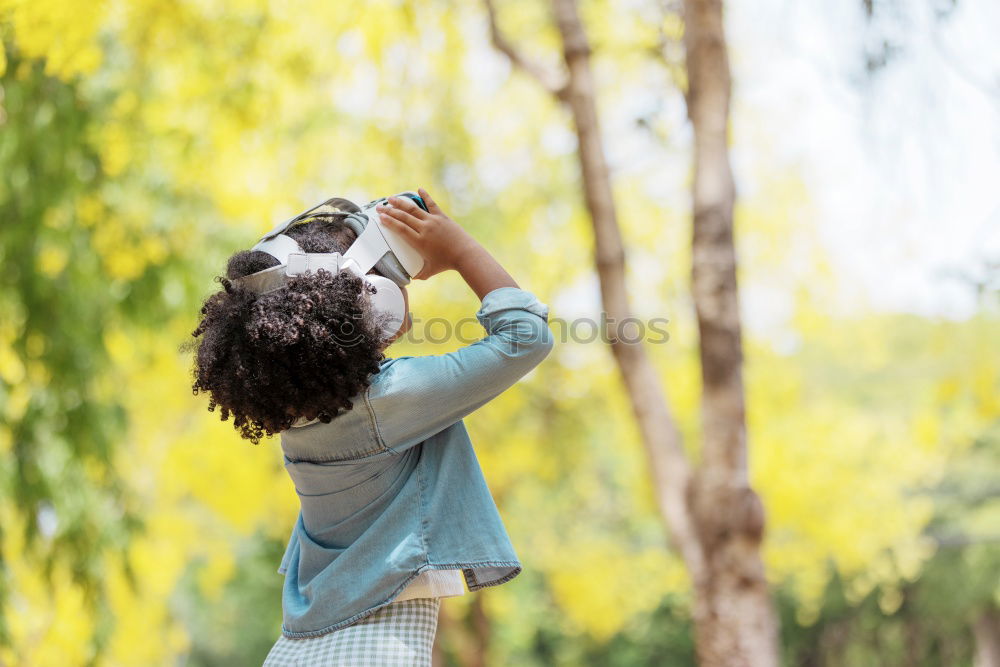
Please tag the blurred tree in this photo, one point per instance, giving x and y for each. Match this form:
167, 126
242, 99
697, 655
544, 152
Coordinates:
715, 519
87, 267
61, 411
958, 594
946, 616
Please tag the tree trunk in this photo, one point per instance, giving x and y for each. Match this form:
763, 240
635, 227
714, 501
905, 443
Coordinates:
986, 630
480, 626
735, 622
668, 465
465, 640
714, 518
445, 628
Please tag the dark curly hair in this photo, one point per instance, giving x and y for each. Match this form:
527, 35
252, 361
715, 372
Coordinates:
301, 351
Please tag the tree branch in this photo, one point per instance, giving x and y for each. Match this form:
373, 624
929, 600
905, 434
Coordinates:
661, 437
554, 83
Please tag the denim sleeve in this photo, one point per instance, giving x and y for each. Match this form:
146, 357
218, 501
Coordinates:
420, 396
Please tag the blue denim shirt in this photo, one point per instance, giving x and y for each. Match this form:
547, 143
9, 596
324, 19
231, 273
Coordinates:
392, 487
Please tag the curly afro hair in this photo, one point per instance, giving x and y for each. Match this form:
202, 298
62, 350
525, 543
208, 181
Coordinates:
301, 351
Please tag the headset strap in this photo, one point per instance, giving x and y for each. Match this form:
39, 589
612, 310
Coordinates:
264, 281
281, 227
279, 247
314, 261
368, 248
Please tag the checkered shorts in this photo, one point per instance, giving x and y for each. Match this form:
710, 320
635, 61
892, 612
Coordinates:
401, 633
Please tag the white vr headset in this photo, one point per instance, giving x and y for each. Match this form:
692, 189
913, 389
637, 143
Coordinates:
376, 247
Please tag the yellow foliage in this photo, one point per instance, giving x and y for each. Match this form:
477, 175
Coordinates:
48, 623
119, 346
34, 345
123, 257
145, 634
116, 150
11, 368
603, 586
90, 210
216, 573
18, 397
199, 494
52, 260
63, 33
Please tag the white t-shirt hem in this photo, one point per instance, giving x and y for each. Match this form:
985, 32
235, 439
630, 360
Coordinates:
434, 584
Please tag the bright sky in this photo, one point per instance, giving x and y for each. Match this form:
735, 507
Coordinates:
903, 168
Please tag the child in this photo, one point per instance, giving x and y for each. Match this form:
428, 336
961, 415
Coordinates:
395, 512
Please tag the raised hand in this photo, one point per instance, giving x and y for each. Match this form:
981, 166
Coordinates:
441, 241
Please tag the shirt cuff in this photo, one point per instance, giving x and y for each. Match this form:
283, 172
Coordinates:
510, 298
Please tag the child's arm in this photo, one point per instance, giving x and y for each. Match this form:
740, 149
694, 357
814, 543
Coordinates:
482, 272
419, 396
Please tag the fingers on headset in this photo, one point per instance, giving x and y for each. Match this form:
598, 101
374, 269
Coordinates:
406, 218
431, 204
406, 204
397, 225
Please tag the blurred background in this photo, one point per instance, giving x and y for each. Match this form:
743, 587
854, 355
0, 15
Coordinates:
143, 142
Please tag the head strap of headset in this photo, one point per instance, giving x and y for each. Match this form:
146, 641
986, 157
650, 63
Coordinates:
364, 253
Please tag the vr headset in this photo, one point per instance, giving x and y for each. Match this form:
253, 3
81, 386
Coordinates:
376, 247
